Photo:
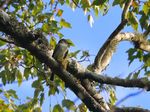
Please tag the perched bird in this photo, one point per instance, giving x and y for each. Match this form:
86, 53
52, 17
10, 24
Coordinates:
60, 54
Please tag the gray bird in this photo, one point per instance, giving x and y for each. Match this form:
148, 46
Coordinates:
60, 54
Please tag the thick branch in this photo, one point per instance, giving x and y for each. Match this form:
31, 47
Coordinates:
140, 83
105, 53
81, 73
130, 109
22, 36
101, 61
137, 38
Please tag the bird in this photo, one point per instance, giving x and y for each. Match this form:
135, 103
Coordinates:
60, 54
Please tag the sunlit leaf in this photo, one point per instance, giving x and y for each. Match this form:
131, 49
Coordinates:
57, 108
118, 2
91, 20
70, 42
12, 93
74, 54
19, 77
85, 3
53, 42
146, 7
133, 20
2, 43
46, 28
82, 107
99, 2
112, 98
59, 13
68, 104
65, 24
136, 75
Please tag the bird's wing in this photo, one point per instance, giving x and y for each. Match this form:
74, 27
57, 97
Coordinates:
66, 53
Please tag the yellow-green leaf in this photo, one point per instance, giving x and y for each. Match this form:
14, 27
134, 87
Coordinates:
2, 43
57, 108
146, 7
19, 77
59, 13
46, 28
65, 24
133, 20
53, 42
91, 20
68, 104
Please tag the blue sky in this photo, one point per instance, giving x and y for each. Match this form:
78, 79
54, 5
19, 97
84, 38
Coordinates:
87, 38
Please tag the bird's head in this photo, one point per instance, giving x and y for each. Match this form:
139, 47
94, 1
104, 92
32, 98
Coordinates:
66, 41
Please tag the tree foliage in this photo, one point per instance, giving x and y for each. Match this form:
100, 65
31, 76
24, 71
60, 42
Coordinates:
33, 20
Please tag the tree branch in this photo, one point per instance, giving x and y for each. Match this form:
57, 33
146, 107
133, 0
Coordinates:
140, 83
26, 40
104, 55
82, 73
130, 109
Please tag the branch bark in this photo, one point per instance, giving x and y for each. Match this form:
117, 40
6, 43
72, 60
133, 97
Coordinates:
82, 73
25, 39
130, 109
105, 53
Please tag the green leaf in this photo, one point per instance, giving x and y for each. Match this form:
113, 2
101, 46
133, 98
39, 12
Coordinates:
96, 10
134, 54
53, 89
41, 98
36, 93
46, 28
90, 20
3, 76
118, 2
12, 93
65, 24
147, 59
133, 20
53, 42
99, 2
85, 3
74, 54
113, 98
136, 75
2, 43
36, 84
85, 54
68, 104
146, 8
26, 73
19, 77
147, 73
57, 108
82, 107
70, 42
